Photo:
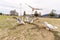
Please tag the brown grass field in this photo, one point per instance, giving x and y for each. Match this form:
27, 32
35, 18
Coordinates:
35, 31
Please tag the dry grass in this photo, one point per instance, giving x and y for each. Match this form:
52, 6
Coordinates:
35, 31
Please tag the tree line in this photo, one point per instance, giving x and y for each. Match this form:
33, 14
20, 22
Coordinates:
36, 14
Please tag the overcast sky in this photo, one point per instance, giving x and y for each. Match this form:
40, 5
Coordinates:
19, 5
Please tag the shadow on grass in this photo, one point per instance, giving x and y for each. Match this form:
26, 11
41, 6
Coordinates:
37, 26
57, 37
14, 27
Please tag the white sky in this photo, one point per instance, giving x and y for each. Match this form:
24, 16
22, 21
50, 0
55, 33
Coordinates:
46, 5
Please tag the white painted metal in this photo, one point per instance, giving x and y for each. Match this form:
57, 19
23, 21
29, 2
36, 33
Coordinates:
20, 21
26, 19
50, 26
32, 20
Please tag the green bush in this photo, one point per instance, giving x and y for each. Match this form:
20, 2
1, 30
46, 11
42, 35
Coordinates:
52, 14
36, 14
24, 13
0, 13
